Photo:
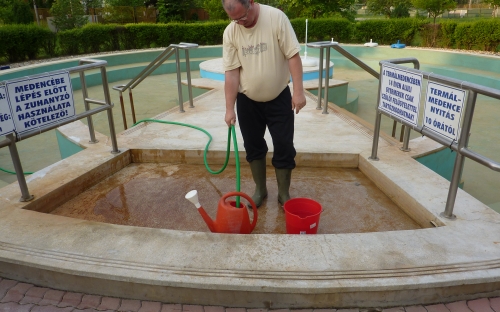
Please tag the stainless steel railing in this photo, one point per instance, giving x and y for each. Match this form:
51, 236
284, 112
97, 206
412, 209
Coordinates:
148, 70
325, 46
104, 105
461, 147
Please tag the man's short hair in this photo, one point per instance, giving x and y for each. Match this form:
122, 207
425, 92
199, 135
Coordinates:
245, 3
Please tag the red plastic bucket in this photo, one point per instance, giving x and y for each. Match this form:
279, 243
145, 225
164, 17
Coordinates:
302, 216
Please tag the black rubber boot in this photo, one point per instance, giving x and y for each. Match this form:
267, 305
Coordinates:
283, 176
258, 168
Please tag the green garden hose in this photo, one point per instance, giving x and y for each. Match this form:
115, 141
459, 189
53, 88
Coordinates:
230, 132
12, 172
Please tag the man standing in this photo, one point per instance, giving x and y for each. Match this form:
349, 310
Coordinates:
260, 51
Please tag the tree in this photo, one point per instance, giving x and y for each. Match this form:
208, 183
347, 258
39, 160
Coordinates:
15, 12
435, 7
215, 10
173, 10
131, 3
122, 11
68, 14
494, 4
401, 10
150, 3
92, 4
273, 3
46, 4
317, 8
389, 8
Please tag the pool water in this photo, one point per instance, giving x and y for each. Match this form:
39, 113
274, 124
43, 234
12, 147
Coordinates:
152, 195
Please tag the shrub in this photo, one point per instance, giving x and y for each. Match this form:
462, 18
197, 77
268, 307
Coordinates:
28, 41
428, 34
69, 41
25, 41
99, 38
387, 31
486, 34
446, 38
463, 36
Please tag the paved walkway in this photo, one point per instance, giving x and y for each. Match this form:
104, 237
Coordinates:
22, 297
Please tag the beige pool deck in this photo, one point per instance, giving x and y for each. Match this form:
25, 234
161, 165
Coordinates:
435, 261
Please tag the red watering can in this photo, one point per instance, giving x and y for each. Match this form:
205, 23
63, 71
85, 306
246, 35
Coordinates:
230, 219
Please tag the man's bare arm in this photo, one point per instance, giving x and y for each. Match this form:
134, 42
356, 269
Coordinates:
231, 85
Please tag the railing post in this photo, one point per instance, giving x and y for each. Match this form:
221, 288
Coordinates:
406, 140
25, 194
188, 72
124, 118
327, 79
376, 134
463, 142
320, 80
179, 86
85, 94
376, 129
107, 99
131, 98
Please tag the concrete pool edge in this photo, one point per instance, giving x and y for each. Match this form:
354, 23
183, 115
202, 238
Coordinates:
74, 254
457, 261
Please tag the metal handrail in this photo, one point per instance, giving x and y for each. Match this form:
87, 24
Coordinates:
150, 68
405, 136
106, 105
326, 45
461, 147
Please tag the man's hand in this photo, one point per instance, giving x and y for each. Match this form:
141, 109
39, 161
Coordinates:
298, 101
230, 117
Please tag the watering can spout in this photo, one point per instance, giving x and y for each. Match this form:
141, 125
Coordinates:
192, 196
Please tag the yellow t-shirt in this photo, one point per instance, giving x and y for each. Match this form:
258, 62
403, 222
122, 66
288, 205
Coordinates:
262, 52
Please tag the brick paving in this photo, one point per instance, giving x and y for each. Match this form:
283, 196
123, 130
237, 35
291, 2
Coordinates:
22, 297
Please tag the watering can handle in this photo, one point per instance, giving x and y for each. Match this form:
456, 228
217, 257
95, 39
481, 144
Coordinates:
230, 194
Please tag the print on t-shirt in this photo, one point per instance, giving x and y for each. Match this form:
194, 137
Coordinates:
254, 49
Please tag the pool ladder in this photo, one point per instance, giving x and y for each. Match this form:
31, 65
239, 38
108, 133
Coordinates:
148, 70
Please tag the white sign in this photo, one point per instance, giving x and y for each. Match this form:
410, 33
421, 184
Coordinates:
40, 101
400, 93
443, 109
6, 122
